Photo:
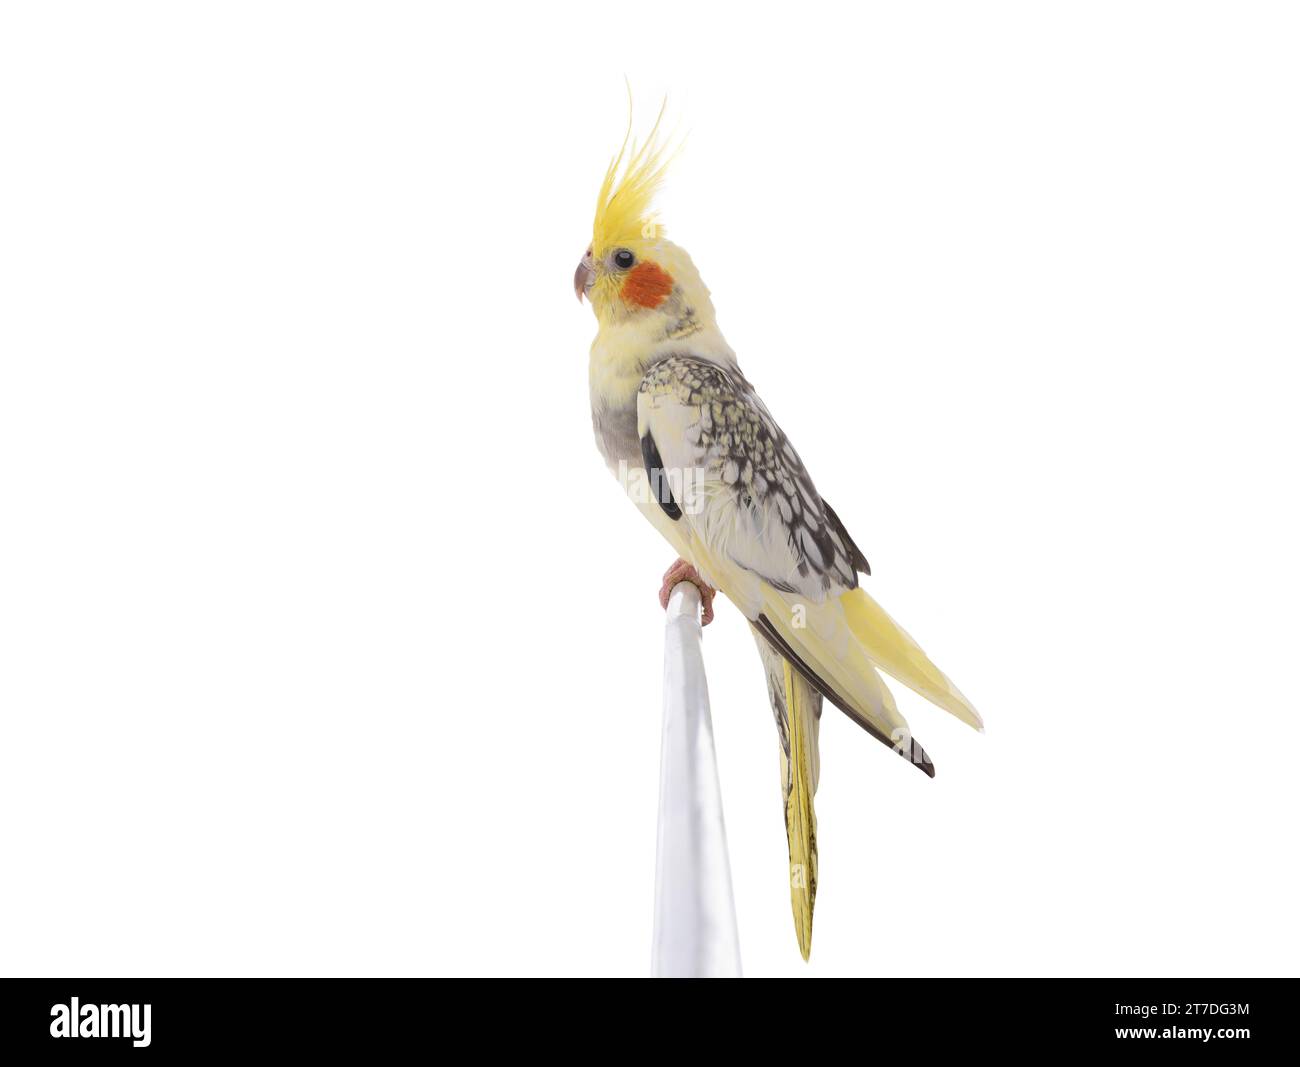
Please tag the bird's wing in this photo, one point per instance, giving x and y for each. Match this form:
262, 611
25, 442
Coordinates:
748, 495
758, 530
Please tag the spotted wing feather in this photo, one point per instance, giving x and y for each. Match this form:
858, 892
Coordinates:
761, 508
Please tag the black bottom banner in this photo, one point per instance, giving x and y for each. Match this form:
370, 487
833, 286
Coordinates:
384, 1019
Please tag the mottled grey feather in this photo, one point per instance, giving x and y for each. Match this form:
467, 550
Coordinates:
735, 439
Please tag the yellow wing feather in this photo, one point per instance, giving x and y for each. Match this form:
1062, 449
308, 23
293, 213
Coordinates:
890, 647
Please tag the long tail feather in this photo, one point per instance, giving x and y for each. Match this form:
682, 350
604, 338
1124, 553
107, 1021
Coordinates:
800, 819
796, 706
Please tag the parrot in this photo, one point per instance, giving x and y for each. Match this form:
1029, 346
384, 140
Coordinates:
702, 458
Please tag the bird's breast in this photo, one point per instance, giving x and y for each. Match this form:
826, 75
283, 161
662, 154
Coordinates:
615, 430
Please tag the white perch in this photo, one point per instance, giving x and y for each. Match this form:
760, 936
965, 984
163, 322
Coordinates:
695, 915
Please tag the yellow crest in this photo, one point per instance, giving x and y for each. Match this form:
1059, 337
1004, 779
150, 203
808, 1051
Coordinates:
624, 214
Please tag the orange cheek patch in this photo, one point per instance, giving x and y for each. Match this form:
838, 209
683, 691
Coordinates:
647, 285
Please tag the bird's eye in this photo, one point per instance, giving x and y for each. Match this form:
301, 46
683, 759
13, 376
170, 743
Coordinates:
623, 259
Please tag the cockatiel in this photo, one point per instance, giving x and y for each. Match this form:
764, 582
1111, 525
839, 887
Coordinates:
700, 454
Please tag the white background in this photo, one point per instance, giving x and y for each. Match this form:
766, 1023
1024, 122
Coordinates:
327, 646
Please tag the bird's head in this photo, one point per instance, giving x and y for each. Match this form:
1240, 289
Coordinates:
633, 275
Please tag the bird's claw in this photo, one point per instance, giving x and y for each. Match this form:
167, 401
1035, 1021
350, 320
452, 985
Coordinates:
681, 571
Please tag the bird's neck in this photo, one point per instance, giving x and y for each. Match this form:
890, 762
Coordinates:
620, 356
623, 351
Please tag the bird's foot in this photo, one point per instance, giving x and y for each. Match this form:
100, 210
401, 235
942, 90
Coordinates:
681, 571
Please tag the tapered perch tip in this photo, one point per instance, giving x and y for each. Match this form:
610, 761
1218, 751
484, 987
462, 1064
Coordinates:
681, 571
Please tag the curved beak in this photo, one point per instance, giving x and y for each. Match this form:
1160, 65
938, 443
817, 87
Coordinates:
583, 277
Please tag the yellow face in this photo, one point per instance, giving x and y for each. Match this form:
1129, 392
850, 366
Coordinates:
624, 277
